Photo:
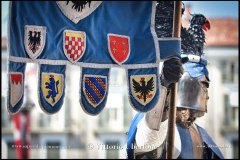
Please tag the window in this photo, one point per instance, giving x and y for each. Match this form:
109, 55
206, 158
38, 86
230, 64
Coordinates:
12, 154
103, 119
44, 120
117, 77
232, 72
235, 116
229, 71
109, 118
231, 110
54, 146
6, 122
112, 115
112, 148
54, 122
127, 112
4, 60
224, 71
67, 112
235, 149
53, 150
226, 108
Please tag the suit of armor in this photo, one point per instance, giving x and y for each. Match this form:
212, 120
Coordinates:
191, 140
145, 140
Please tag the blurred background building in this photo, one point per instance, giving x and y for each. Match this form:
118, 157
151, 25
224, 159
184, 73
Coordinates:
71, 133
222, 118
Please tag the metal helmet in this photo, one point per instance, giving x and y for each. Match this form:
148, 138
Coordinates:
193, 86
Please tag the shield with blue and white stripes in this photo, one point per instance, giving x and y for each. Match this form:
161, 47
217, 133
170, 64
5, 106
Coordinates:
94, 87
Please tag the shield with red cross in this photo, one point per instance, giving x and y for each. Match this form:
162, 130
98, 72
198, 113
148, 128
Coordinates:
119, 47
74, 44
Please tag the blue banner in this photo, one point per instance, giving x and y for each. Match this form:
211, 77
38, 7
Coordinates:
93, 35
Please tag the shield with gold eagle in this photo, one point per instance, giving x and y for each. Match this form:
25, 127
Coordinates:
119, 47
74, 44
143, 88
52, 87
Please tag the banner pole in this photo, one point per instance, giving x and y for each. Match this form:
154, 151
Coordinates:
173, 92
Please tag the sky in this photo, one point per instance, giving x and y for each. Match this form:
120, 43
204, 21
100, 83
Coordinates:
214, 9
211, 9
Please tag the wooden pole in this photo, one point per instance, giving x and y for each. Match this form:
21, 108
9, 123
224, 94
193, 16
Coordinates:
173, 92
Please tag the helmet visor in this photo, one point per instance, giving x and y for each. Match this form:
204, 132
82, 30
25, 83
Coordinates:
192, 93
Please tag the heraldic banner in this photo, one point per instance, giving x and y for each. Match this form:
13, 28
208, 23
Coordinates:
95, 36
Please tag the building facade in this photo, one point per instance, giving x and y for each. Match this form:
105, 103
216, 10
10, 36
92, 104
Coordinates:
221, 120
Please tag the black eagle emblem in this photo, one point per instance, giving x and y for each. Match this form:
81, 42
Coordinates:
143, 88
34, 39
80, 5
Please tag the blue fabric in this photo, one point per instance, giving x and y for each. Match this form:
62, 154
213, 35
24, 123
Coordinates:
187, 149
15, 67
210, 143
88, 107
186, 143
196, 70
128, 18
46, 107
169, 48
131, 135
202, 60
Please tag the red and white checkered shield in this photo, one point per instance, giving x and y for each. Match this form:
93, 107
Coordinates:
74, 44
